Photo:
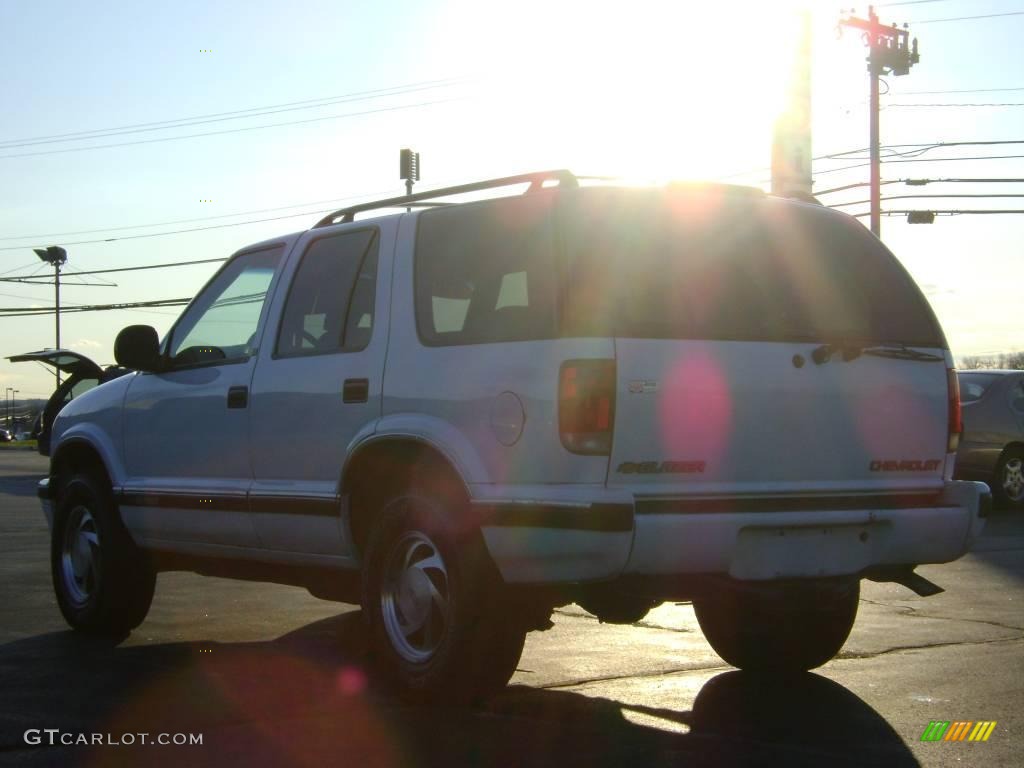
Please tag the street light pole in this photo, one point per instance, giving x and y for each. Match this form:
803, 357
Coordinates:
56, 256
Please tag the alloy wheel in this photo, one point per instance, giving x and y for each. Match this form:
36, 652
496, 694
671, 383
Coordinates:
415, 597
79, 563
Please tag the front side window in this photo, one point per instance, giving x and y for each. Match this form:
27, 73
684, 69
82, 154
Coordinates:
330, 305
221, 324
485, 272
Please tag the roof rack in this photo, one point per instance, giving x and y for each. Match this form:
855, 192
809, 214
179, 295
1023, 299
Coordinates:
536, 181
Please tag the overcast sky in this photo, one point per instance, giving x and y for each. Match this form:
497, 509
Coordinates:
651, 90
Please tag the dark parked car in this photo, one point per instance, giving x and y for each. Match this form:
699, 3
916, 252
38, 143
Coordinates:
5, 436
992, 445
82, 375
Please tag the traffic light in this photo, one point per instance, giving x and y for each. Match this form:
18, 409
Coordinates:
920, 217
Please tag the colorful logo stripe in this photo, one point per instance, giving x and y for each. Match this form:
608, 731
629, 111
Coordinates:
958, 730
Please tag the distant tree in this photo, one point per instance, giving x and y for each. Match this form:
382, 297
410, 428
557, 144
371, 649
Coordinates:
1012, 361
1005, 360
974, 362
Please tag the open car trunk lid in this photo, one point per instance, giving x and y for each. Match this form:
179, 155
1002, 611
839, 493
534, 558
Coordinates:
65, 360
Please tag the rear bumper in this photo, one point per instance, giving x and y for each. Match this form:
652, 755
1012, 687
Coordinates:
750, 540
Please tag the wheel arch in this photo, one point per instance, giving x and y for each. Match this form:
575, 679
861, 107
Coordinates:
79, 454
1016, 445
383, 463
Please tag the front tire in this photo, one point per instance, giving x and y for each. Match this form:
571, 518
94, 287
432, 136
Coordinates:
779, 628
433, 605
102, 581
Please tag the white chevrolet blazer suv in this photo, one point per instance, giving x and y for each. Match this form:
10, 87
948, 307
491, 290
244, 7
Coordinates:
464, 414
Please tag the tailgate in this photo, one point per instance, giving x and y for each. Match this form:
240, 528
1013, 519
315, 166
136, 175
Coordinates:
741, 417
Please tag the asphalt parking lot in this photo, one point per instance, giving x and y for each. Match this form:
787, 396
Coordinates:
269, 675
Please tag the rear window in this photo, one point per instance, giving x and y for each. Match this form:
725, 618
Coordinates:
974, 385
485, 272
650, 264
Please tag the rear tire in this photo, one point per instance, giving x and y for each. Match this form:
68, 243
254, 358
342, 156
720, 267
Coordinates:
1008, 484
103, 582
779, 628
433, 604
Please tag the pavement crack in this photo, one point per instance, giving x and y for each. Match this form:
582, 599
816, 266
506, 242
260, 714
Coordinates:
914, 613
633, 676
845, 655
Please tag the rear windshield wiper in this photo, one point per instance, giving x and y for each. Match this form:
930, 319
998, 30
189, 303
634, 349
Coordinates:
902, 352
850, 352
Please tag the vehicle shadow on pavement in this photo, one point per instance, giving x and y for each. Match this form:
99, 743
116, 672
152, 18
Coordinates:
20, 485
304, 699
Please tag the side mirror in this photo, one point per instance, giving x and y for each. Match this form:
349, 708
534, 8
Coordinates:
138, 347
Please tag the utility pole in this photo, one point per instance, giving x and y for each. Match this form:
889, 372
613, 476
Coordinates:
14, 409
889, 52
56, 256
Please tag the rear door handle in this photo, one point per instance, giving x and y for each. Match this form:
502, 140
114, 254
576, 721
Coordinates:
355, 391
238, 397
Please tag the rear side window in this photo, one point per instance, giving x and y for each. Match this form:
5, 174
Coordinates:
485, 272
713, 266
974, 385
330, 303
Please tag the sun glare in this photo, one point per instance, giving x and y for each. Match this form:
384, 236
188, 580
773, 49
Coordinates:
665, 90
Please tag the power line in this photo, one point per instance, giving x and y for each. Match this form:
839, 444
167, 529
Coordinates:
38, 298
987, 104
43, 280
235, 130
945, 159
992, 212
148, 266
970, 18
126, 269
26, 266
920, 160
180, 231
949, 213
54, 235
887, 147
920, 182
915, 197
185, 122
23, 312
923, 147
196, 229
962, 90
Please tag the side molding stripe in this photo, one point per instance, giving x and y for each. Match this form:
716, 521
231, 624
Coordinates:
274, 505
603, 518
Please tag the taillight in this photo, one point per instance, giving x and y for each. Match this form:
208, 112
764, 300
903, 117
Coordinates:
586, 405
956, 422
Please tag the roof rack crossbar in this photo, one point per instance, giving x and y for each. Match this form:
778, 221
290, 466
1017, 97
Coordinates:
536, 181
